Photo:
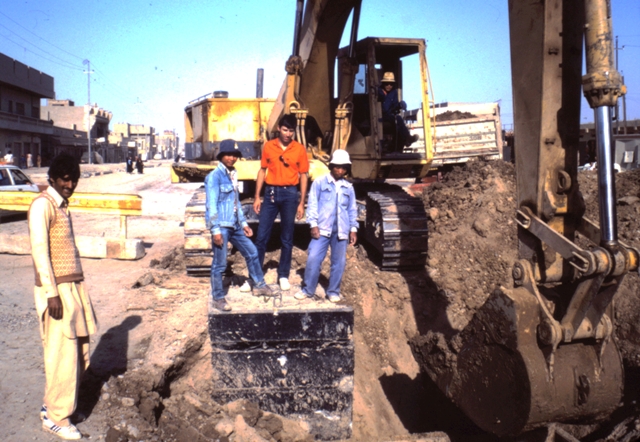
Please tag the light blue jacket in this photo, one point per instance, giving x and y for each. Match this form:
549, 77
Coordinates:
221, 200
321, 206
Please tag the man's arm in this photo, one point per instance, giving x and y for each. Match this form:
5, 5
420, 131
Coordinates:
41, 214
353, 217
259, 183
304, 181
212, 191
312, 210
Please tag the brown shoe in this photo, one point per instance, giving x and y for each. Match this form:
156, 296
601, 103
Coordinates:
221, 304
265, 290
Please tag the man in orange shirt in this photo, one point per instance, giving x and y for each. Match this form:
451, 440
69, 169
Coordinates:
284, 164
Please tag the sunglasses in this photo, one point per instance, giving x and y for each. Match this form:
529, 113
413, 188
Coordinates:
283, 161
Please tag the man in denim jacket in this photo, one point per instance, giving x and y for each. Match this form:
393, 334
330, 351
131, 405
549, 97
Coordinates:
331, 213
227, 223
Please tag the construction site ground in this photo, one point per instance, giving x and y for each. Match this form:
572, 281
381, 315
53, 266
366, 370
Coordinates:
150, 376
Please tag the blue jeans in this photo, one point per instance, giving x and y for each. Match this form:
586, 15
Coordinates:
282, 200
244, 245
316, 253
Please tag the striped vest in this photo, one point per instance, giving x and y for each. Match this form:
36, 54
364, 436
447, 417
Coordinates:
64, 255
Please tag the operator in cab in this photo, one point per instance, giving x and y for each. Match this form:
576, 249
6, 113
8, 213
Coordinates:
391, 107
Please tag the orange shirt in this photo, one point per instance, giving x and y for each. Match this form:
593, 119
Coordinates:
278, 173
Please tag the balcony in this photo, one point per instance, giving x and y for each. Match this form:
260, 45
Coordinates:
21, 123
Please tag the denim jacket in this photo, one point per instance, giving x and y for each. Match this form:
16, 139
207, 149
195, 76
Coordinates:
321, 206
221, 200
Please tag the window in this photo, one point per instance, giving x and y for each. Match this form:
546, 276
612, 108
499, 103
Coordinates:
10, 106
35, 112
19, 177
20, 108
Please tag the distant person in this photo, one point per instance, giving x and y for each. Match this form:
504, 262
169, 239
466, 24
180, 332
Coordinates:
129, 164
23, 161
283, 166
332, 215
8, 158
227, 223
391, 106
29, 161
139, 164
64, 309
39, 160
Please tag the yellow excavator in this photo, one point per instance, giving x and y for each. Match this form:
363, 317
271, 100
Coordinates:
395, 221
538, 352
543, 351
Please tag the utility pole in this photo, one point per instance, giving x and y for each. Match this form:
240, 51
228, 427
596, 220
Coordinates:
88, 72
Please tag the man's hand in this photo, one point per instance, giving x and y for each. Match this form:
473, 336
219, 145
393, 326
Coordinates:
256, 206
300, 211
217, 239
247, 231
353, 237
55, 307
315, 232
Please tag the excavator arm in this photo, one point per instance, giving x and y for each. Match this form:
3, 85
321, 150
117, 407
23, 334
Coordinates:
542, 351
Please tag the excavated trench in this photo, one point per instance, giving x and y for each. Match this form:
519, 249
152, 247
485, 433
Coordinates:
165, 395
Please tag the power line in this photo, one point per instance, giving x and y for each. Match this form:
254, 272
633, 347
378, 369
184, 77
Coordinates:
35, 46
67, 65
35, 35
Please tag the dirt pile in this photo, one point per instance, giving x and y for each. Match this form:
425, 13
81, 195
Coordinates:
454, 115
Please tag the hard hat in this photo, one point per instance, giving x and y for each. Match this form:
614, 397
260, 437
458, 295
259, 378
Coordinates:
340, 157
228, 147
388, 77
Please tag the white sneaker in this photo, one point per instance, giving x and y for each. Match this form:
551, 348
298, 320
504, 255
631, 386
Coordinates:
334, 298
284, 284
69, 432
246, 287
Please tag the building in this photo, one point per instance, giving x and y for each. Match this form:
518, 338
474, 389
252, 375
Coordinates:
21, 129
167, 144
134, 140
71, 125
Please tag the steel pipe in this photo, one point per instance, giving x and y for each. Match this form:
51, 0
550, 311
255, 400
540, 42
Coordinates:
606, 178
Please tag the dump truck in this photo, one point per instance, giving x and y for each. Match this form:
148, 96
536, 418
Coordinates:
463, 131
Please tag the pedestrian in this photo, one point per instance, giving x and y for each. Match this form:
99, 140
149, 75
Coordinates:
284, 165
129, 164
29, 161
39, 160
65, 314
8, 158
228, 224
332, 215
139, 164
23, 161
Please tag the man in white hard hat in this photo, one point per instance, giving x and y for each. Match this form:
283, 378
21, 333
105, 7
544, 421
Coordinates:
391, 106
332, 215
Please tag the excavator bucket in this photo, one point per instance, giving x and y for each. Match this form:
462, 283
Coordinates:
497, 372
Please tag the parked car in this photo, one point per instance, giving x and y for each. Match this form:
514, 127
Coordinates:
12, 178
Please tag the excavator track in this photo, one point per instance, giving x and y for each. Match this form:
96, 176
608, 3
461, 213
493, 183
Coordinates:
396, 225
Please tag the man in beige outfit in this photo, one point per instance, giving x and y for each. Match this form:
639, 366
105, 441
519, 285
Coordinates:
63, 306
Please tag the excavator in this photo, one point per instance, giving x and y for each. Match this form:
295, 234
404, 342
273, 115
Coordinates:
543, 351
395, 222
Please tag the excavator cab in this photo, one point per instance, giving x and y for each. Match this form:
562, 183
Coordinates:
377, 143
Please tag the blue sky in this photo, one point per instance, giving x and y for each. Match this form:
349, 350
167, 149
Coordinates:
150, 58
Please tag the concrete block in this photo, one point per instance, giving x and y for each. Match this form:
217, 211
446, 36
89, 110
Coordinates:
88, 247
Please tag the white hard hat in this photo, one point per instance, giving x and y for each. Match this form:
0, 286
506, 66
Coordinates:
340, 157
